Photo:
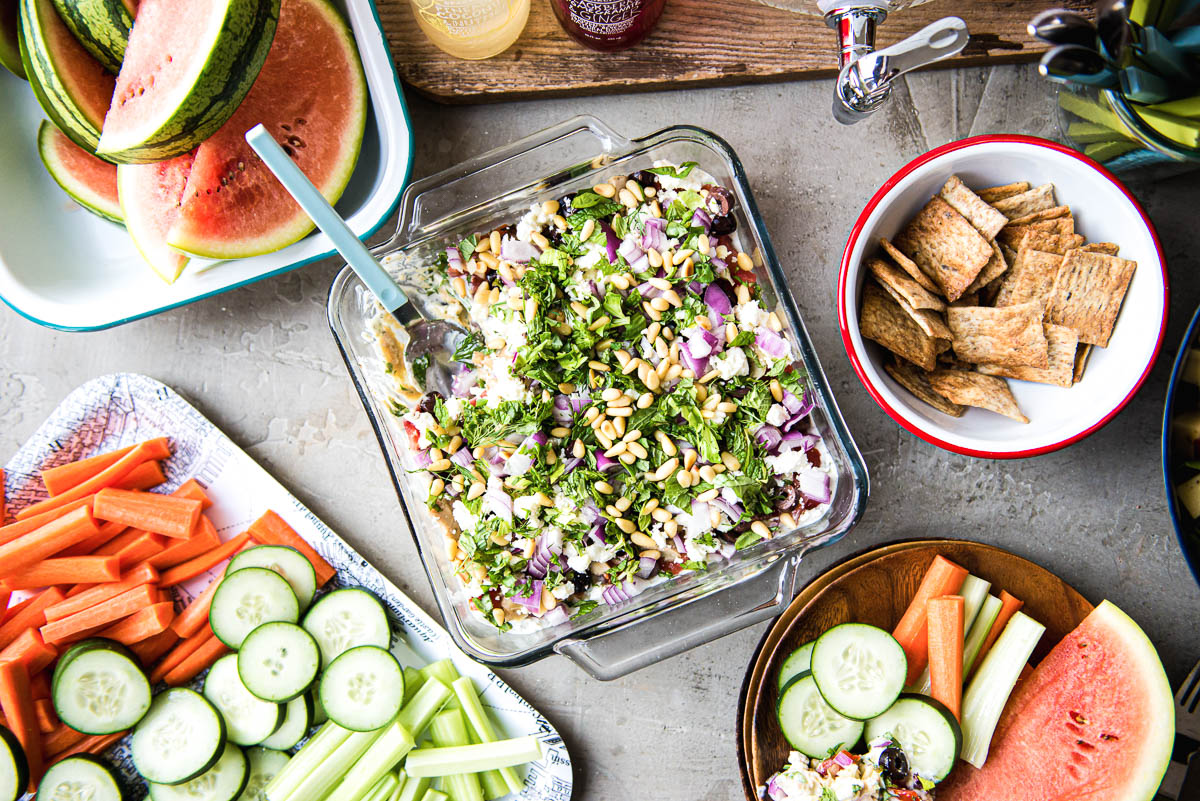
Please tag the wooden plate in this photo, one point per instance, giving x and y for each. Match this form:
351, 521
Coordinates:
878, 591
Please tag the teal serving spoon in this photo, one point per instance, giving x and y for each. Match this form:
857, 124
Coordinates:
435, 338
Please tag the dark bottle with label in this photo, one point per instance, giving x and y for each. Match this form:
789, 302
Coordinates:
607, 25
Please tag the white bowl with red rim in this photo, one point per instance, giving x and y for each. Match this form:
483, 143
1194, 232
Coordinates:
1104, 211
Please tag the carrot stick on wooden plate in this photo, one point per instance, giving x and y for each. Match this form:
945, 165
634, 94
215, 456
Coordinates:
942, 578
946, 650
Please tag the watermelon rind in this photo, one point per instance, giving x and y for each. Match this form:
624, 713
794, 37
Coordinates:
144, 220
49, 140
172, 120
208, 241
10, 47
55, 85
101, 26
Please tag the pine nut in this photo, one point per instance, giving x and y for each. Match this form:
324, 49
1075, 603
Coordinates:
531, 309
588, 229
656, 209
638, 450
599, 367
618, 281
702, 243
760, 528
459, 285
659, 304
649, 506
709, 376
776, 390
661, 348
684, 478
548, 600
541, 241
500, 539
606, 428
603, 440
774, 323
436, 487
475, 491
642, 541
636, 190
452, 549
668, 445
656, 259
622, 357
666, 469
644, 400
670, 528
672, 298
652, 331
550, 207
703, 321
682, 256
714, 515
786, 521
604, 487
634, 435
605, 190
482, 294
439, 465
591, 414
652, 381
708, 474
620, 401
661, 515
662, 368
616, 450
730, 461
498, 616
494, 239
618, 181
610, 394
650, 553
619, 426
689, 459
659, 283
652, 313
559, 431
746, 263
600, 323
727, 407
731, 331
626, 526
627, 199
675, 371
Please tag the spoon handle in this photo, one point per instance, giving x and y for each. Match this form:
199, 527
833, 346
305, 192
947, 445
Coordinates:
329, 221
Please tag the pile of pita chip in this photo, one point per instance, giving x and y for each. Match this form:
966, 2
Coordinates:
986, 285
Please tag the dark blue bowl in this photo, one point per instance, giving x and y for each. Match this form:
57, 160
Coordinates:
1173, 470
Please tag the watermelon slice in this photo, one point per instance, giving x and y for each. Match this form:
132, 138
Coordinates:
150, 201
10, 33
90, 181
1094, 720
312, 95
187, 66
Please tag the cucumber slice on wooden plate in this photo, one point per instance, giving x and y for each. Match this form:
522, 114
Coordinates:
265, 764
811, 725
926, 730
224, 781
298, 718
797, 662
363, 689
248, 598
287, 562
79, 778
278, 661
859, 669
248, 719
99, 688
181, 736
345, 619
14, 767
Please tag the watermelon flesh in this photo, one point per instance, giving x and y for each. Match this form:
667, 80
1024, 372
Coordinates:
10, 48
90, 181
312, 95
150, 201
1094, 720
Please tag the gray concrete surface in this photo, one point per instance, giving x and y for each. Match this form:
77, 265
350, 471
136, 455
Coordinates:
261, 363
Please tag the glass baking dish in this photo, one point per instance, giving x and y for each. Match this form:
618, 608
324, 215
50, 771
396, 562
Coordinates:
672, 616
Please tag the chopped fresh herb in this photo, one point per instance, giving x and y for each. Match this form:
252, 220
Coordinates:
420, 368
604, 208
472, 343
746, 540
583, 607
694, 564
682, 171
742, 339
467, 247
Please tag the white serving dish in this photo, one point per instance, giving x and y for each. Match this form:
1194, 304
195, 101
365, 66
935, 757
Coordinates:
64, 268
1104, 211
117, 410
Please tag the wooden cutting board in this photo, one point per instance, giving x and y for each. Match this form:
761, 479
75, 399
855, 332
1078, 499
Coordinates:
697, 42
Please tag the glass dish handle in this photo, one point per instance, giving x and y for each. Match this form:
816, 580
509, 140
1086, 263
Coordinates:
562, 152
618, 651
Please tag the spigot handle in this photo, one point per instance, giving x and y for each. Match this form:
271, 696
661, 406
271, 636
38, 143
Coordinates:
936, 41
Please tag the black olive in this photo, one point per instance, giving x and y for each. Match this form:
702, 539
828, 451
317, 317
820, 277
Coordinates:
554, 236
564, 205
785, 497
646, 178
894, 765
719, 200
428, 401
722, 224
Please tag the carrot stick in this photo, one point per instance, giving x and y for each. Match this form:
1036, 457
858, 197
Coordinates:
5, 597
13, 530
192, 489
39, 685
143, 477
144, 623
107, 533
1009, 606
204, 540
942, 578
271, 529
149, 511
194, 618
31, 614
194, 567
140, 548
946, 650
30, 650
90, 596
103, 613
67, 570
47, 540
59, 740
180, 652
62, 478
90, 745
149, 650
43, 709
17, 704
198, 660
106, 478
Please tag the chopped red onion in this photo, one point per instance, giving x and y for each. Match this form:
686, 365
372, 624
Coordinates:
648, 290
791, 402
719, 263
770, 343
594, 288
532, 601
629, 250
640, 265
696, 288
616, 593
702, 219
571, 464
605, 463
815, 485
463, 458
562, 413
655, 233
768, 436
698, 366
678, 540
646, 567
539, 563
773, 789
718, 304
517, 252
555, 616
797, 440
611, 241
422, 459
699, 510
597, 532
589, 512
501, 504
734, 510
519, 464
454, 258
702, 342
463, 382
843, 759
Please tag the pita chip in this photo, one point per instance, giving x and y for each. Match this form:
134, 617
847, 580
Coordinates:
1088, 294
986, 219
881, 319
946, 247
913, 379
908, 265
1062, 343
993, 193
976, 389
1011, 336
899, 283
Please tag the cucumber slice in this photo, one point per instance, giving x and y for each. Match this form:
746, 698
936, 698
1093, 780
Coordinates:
79, 778
265, 764
363, 689
248, 719
860, 669
181, 736
278, 661
14, 767
797, 662
298, 717
287, 562
248, 598
811, 725
926, 730
99, 688
224, 781
345, 619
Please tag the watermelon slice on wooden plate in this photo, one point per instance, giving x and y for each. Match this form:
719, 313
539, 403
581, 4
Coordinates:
76, 272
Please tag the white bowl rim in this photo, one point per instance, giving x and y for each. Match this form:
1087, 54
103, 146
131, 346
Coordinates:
845, 324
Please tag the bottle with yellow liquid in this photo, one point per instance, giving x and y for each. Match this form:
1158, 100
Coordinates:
472, 29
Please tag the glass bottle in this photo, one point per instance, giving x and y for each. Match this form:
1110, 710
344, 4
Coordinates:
607, 25
472, 29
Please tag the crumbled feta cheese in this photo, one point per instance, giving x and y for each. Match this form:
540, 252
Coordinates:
463, 517
600, 552
787, 462
577, 561
454, 408
696, 549
422, 420
693, 525
533, 220
777, 415
732, 363
491, 501
751, 315
523, 546
563, 591
525, 506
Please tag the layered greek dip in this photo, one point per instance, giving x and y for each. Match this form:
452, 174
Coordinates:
624, 409
881, 774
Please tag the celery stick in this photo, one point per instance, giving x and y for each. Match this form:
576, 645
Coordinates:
493, 783
413, 679
433, 795
481, 726
444, 671
988, 692
382, 789
979, 631
387, 750
449, 728
326, 775
417, 713
973, 591
318, 749
473, 758
412, 788
399, 788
